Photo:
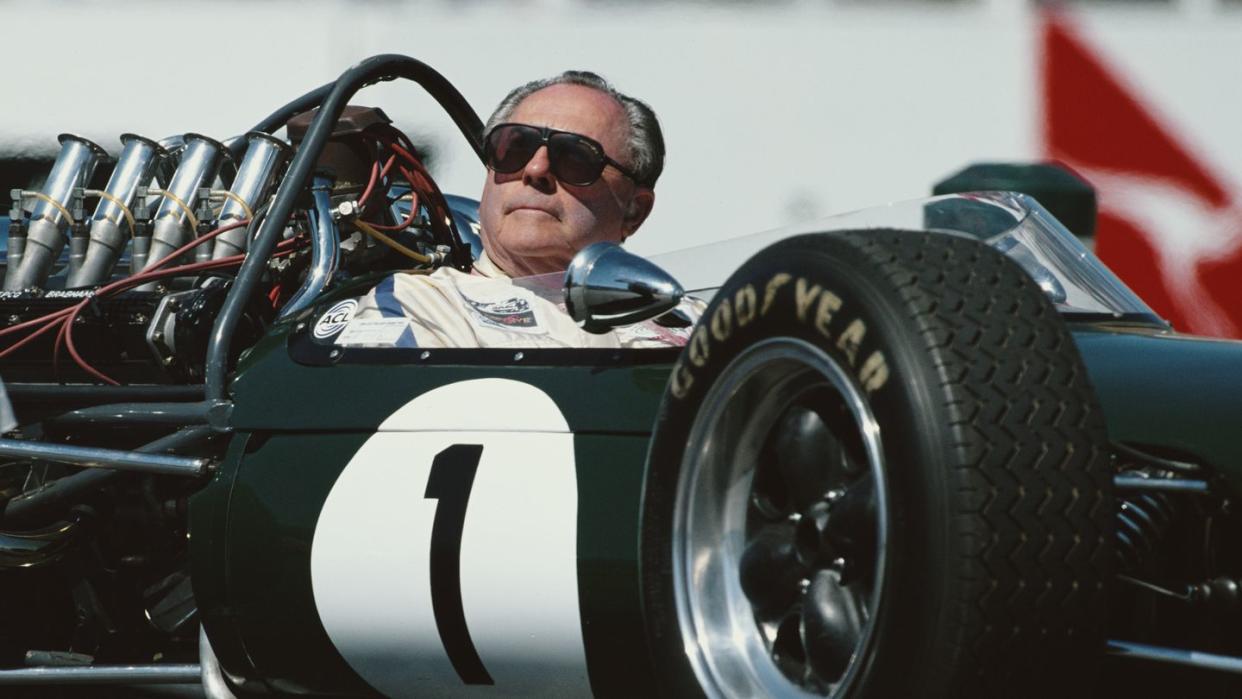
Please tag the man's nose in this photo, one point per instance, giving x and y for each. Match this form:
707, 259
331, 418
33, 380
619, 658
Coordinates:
538, 170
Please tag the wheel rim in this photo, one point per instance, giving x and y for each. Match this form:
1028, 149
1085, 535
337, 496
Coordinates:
780, 527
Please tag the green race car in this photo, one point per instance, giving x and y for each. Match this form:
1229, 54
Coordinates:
931, 449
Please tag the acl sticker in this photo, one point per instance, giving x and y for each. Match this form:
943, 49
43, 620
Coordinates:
335, 319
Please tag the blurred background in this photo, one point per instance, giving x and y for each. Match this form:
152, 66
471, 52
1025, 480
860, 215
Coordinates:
775, 111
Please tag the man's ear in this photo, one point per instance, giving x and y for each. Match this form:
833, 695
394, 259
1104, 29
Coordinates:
638, 210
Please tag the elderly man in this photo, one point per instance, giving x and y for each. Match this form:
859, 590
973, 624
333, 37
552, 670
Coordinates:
571, 162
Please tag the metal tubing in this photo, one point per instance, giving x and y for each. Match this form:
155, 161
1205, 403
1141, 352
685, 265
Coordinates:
78, 240
109, 227
139, 413
17, 250
103, 674
199, 165
53, 497
105, 458
139, 255
366, 72
214, 685
1167, 485
254, 179
1176, 656
101, 394
45, 236
280, 117
325, 249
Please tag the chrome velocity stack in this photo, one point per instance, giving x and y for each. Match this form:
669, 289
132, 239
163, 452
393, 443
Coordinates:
50, 220
174, 221
113, 221
265, 155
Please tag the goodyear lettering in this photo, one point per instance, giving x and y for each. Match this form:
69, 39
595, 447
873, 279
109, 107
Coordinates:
745, 303
804, 297
874, 372
681, 381
851, 338
744, 307
698, 346
829, 303
769, 292
722, 321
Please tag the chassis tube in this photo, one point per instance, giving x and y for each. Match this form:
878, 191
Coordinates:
371, 70
106, 458
103, 674
55, 495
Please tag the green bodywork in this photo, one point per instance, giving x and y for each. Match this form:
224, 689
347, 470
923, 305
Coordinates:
1175, 395
297, 426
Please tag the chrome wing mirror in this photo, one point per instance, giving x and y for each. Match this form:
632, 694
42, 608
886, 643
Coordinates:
606, 286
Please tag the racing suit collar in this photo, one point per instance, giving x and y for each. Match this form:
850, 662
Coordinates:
484, 267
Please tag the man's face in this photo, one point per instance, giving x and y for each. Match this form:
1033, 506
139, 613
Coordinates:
532, 222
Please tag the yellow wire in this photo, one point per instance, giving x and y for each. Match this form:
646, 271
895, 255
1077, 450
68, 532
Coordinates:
366, 228
240, 202
183, 206
129, 217
55, 204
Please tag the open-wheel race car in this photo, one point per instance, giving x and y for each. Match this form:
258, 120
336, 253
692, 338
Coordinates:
929, 449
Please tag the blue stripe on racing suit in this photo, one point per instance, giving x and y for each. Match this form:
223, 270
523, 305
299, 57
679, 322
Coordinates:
388, 306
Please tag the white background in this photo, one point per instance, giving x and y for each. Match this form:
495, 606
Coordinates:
774, 113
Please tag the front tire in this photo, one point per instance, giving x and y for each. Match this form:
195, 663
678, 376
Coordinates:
880, 470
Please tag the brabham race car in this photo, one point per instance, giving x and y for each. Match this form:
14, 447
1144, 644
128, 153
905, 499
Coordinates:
929, 449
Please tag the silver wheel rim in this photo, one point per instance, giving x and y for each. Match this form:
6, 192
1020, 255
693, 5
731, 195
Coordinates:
734, 649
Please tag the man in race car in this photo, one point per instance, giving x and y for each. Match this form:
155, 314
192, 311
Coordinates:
571, 161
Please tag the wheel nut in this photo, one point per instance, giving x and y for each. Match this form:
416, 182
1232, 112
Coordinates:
811, 536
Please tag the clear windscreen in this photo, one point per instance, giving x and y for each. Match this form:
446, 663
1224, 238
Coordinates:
1068, 273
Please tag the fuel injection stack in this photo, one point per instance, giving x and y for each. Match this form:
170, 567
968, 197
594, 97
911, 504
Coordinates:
160, 195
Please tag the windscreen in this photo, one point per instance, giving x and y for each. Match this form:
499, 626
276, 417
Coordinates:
1071, 276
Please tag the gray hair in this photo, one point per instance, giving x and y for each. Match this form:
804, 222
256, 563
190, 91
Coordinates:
646, 142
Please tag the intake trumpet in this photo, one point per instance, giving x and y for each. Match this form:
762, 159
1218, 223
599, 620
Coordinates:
174, 221
113, 219
264, 156
51, 218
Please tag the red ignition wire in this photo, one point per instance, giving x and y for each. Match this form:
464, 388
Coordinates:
285, 247
377, 174
28, 339
54, 315
150, 273
35, 321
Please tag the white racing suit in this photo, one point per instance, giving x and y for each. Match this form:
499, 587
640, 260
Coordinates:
486, 308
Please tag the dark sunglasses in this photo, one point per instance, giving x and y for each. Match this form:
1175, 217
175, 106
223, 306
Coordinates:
575, 159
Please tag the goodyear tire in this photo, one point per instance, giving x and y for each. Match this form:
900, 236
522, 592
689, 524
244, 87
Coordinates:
879, 470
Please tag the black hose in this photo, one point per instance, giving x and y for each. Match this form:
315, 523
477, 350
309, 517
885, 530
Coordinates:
369, 71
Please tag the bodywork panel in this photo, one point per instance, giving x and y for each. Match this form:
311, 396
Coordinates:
300, 426
1172, 393
304, 423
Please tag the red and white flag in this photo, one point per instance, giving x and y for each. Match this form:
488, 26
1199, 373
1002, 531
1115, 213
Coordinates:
1168, 225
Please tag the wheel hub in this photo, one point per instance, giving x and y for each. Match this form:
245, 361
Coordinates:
778, 566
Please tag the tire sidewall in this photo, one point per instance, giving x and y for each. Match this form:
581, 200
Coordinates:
819, 290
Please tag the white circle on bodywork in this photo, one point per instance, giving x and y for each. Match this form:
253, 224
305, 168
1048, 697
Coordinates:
370, 557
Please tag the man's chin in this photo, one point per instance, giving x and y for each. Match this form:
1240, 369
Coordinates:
524, 261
